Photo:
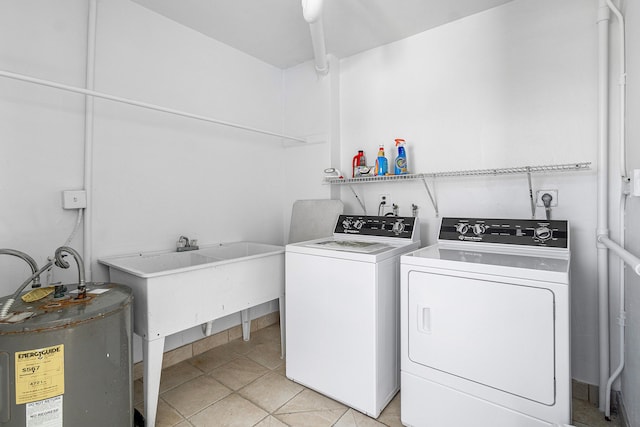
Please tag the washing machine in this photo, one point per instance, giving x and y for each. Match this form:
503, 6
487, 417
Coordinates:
485, 326
342, 310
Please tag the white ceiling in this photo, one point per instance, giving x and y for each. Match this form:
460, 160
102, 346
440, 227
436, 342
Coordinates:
276, 32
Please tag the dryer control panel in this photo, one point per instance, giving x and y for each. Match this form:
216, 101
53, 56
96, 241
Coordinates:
380, 226
527, 232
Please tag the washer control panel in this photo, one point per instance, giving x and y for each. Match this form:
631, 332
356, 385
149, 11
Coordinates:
527, 232
379, 226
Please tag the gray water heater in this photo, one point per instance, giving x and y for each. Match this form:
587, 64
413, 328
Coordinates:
70, 363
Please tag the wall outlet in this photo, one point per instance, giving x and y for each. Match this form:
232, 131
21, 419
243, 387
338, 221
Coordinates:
74, 199
388, 204
554, 197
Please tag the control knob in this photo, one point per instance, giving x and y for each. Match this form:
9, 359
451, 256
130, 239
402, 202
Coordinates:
398, 227
358, 224
346, 224
462, 228
542, 233
479, 229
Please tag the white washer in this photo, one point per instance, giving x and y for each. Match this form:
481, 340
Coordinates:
342, 311
485, 336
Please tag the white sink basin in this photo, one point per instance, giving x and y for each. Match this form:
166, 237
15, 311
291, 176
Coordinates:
175, 291
159, 263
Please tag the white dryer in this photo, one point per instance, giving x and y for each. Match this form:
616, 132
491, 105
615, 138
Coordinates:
342, 311
485, 330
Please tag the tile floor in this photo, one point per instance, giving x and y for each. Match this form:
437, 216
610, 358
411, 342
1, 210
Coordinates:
243, 384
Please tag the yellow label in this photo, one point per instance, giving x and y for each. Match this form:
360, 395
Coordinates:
39, 374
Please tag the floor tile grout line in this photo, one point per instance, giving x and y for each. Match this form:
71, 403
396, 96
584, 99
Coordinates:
236, 392
185, 417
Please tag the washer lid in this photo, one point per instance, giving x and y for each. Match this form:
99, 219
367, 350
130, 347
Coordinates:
358, 246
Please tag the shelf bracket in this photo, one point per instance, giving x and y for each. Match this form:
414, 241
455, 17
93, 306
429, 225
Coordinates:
358, 199
433, 200
531, 201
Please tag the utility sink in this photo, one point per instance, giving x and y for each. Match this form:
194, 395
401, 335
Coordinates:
175, 291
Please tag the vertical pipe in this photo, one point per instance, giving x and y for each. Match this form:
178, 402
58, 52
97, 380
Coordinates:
623, 200
88, 139
621, 318
603, 194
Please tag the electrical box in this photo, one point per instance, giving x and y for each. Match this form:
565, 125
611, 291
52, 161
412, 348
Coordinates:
74, 199
635, 183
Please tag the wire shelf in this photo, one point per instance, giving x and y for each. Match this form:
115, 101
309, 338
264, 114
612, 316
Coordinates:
567, 167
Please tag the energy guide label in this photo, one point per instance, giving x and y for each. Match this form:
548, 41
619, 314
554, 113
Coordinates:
39, 374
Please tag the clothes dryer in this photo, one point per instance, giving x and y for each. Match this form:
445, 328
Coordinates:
485, 326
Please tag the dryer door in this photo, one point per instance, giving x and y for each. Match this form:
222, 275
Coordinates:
490, 332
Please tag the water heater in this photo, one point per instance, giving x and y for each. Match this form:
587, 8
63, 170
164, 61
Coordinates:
67, 362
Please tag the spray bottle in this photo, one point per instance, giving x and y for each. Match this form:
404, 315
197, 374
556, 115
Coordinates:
382, 167
400, 165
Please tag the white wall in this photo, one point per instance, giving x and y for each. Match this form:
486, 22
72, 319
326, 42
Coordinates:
41, 136
513, 86
309, 103
159, 176
155, 176
631, 373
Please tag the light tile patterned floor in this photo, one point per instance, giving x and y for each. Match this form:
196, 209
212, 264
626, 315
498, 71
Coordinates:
243, 384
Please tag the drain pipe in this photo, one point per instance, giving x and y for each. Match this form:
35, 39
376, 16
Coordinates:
621, 318
88, 140
603, 194
623, 204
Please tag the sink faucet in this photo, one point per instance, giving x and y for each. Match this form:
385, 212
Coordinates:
184, 244
28, 260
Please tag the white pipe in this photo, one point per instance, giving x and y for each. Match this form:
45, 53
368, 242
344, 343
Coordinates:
319, 49
102, 95
87, 246
630, 259
619, 250
312, 12
79, 217
622, 315
603, 194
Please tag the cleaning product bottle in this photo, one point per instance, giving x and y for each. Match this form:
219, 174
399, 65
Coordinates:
382, 167
400, 165
358, 160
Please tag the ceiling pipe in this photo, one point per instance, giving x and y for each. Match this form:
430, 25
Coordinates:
312, 12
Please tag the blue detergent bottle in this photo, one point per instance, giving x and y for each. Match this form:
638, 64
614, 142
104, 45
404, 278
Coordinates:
400, 165
382, 167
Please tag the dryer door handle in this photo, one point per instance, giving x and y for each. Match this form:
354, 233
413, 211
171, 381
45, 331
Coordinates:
424, 319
